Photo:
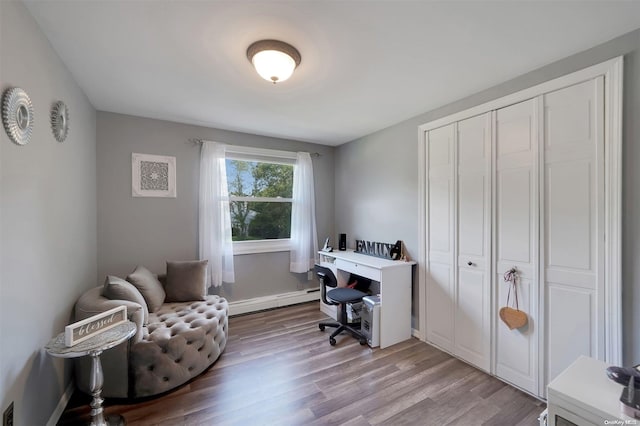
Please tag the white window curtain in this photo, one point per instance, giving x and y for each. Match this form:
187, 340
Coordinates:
304, 237
215, 220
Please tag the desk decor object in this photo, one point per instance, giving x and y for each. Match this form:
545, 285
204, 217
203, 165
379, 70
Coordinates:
93, 347
60, 121
153, 176
630, 399
89, 327
342, 242
377, 249
17, 115
629, 377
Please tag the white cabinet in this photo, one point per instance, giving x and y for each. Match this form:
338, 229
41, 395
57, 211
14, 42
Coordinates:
583, 395
533, 185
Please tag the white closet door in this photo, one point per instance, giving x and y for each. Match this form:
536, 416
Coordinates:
516, 239
472, 301
440, 225
573, 224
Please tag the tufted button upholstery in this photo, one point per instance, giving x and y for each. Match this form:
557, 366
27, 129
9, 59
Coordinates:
180, 342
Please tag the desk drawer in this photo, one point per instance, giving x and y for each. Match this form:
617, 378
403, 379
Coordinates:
356, 268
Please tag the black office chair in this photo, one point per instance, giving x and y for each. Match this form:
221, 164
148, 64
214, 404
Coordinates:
338, 296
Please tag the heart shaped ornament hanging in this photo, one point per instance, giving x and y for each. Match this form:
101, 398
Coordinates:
513, 317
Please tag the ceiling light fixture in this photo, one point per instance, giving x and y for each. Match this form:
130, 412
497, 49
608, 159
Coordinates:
274, 60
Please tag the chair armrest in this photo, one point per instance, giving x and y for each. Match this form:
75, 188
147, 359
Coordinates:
92, 302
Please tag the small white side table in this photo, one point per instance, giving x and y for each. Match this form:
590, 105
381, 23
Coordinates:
584, 395
93, 347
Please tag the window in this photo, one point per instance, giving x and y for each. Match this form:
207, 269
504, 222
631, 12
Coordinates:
260, 184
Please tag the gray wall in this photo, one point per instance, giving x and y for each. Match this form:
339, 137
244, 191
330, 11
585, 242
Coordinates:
150, 231
48, 226
377, 191
377, 175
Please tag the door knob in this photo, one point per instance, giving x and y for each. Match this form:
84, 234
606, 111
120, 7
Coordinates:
470, 263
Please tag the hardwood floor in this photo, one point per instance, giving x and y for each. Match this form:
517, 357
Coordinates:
279, 369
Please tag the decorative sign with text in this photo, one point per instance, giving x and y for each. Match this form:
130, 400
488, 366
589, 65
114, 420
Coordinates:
384, 250
89, 327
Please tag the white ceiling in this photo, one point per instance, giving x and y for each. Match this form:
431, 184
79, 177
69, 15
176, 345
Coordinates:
365, 64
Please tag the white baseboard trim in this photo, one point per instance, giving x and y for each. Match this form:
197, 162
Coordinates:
62, 404
274, 301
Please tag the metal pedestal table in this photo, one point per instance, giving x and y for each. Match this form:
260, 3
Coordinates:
93, 347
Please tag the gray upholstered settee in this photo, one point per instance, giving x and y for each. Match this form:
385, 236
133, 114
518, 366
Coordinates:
174, 342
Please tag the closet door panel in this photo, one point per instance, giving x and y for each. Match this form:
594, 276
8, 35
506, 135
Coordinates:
440, 194
516, 236
515, 347
473, 304
514, 215
471, 338
440, 225
440, 313
573, 224
472, 192
571, 310
569, 117
570, 222
512, 125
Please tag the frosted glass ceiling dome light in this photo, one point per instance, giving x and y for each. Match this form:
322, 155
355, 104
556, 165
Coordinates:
273, 60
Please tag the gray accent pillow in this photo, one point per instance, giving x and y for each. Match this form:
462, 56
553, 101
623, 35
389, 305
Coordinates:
118, 289
149, 287
186, 281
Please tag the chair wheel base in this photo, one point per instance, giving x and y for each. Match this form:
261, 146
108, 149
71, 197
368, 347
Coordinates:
332, 341
363, 342
321, 327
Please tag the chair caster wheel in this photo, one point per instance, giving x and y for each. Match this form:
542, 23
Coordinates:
363, 342
332, 341
321, 327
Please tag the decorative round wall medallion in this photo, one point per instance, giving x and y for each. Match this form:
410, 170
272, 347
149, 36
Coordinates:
60, 121
17, 115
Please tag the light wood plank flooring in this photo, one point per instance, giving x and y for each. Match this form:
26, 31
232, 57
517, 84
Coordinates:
279, 369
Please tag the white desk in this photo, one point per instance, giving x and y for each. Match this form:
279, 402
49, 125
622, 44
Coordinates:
394, 280
584, 395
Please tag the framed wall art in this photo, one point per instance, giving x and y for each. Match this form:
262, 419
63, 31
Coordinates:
153, 176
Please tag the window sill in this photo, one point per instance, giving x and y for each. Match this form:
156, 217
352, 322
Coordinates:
261, 246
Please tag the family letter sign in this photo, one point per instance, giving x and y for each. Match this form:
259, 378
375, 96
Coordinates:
89, 327
384, 250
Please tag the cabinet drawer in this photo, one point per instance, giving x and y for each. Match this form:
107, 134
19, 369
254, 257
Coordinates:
356, 268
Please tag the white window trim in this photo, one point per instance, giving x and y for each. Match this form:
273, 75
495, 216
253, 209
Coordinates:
261, 199
261, 246
245, 153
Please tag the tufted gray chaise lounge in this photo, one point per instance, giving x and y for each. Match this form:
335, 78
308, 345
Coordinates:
179, 342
